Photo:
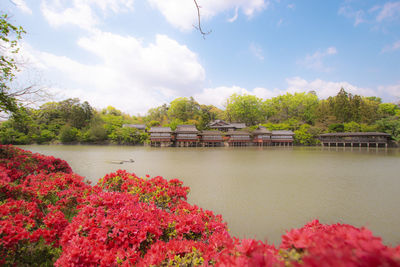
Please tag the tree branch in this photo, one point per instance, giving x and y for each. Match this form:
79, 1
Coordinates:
198, 27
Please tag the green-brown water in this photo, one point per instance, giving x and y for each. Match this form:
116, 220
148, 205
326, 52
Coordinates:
261, 192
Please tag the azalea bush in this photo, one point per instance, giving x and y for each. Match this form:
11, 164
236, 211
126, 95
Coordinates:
51, 216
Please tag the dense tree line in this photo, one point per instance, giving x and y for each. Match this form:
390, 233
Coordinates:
71, 121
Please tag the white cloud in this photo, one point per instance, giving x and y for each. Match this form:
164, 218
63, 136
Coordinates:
391, 90
256, 51
375, 15
234, 18
130, 75
218, 96
22, 6
393, 47
389, 11
182, 14
291, 6
323, 88
81, 13
315, 61
358, 16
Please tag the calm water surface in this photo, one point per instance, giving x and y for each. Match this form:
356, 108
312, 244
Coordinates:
261, 192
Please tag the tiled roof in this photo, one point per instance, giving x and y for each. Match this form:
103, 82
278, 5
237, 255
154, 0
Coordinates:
186, 129
160, 130
262, 130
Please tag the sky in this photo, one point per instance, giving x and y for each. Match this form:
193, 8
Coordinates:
139, 54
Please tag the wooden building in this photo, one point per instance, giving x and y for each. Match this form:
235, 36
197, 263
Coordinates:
357, 139
221, 125
282, 138
262, 136
239, 138
161, 136
186, 136
211, 139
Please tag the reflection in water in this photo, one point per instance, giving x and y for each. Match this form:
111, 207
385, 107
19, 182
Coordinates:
263, 191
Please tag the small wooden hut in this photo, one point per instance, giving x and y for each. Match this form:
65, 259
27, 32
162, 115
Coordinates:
211, 139
282, 138
239, 138
161, 136
262, 136
357, 139
186, 136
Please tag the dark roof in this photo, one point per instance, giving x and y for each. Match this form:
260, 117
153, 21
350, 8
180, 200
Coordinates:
282, 132
238, 125
217, 123
355, 134
137, 126
211, 133
230, 125
262, 130
237, 133
160, 130
186, 129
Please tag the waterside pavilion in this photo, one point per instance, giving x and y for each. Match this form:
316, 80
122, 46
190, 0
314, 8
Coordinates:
262, 136
186, 136
238, 138
357, 139
211, 139
282, 138
161, 136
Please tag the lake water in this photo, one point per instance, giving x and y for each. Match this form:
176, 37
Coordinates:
261, 192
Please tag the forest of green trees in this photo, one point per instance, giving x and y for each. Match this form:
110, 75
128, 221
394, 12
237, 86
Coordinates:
71, 121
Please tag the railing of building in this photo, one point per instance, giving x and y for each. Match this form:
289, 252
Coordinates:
186, 136
281, 137
240, 138
263, 137
212, 138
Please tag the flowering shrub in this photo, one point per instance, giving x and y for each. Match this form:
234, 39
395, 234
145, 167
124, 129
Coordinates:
163, 193
19, 163
338, 244
49, 215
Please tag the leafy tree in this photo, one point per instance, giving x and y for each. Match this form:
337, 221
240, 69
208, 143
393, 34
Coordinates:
245, 108
390, 125
341, 106
68, 134
307, 135
351, 127
336, 128
184, 109
208, 113
9, 36
300, 106
387, 109
128, 136
158, 114
153, 123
